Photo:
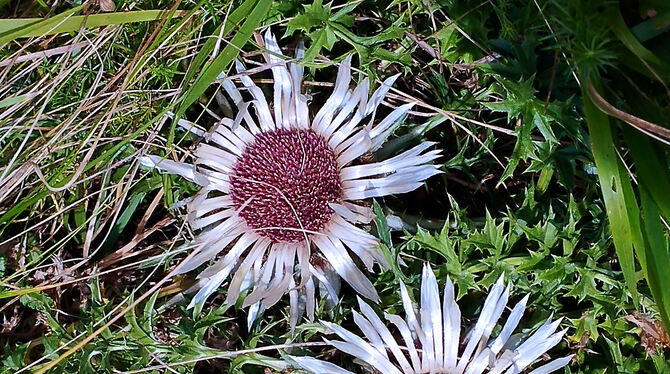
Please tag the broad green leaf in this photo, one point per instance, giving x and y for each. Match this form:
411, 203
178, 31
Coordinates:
650, 164
622, 211
15, 360
323, 38
653, 179
383, 230
122, 222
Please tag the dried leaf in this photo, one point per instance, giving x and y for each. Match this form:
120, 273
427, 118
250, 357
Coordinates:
9, 325
652, 333
107, 5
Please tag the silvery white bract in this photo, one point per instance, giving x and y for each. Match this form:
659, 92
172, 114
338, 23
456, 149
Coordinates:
431, 338
276, 185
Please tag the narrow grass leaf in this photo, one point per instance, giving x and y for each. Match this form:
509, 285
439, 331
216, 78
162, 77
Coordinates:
165, 32
639, 52
14, 100
649, 159
11, 29
614, 184
657, 255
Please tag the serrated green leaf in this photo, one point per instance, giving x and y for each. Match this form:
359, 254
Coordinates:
38, 301
14, 359
314, 15
383, 230
586, 324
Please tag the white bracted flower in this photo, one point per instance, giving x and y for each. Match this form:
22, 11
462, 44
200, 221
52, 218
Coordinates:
431, 338
277, 185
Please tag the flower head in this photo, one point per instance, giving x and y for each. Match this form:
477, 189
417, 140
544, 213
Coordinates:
432, 341
277, 186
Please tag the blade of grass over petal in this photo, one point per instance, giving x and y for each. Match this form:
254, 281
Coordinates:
221, 62
235, 17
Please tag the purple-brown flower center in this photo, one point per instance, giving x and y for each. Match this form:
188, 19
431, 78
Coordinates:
286, 178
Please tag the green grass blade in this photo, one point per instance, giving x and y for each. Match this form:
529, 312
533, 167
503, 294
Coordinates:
639, 52
649, 163
648, 155
11, 29
658, 256
651, 168
15, 100
622, 212
165, 32
654, 186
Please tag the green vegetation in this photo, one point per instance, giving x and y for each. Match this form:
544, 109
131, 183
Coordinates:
552, 117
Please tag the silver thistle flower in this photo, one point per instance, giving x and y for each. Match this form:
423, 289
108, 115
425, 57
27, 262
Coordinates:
276, 186
437, 330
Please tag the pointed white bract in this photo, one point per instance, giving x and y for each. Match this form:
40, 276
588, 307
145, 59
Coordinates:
278, 206
431, 341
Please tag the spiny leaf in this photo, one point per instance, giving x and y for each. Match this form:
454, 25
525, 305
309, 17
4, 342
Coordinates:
315, 15
519, 102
